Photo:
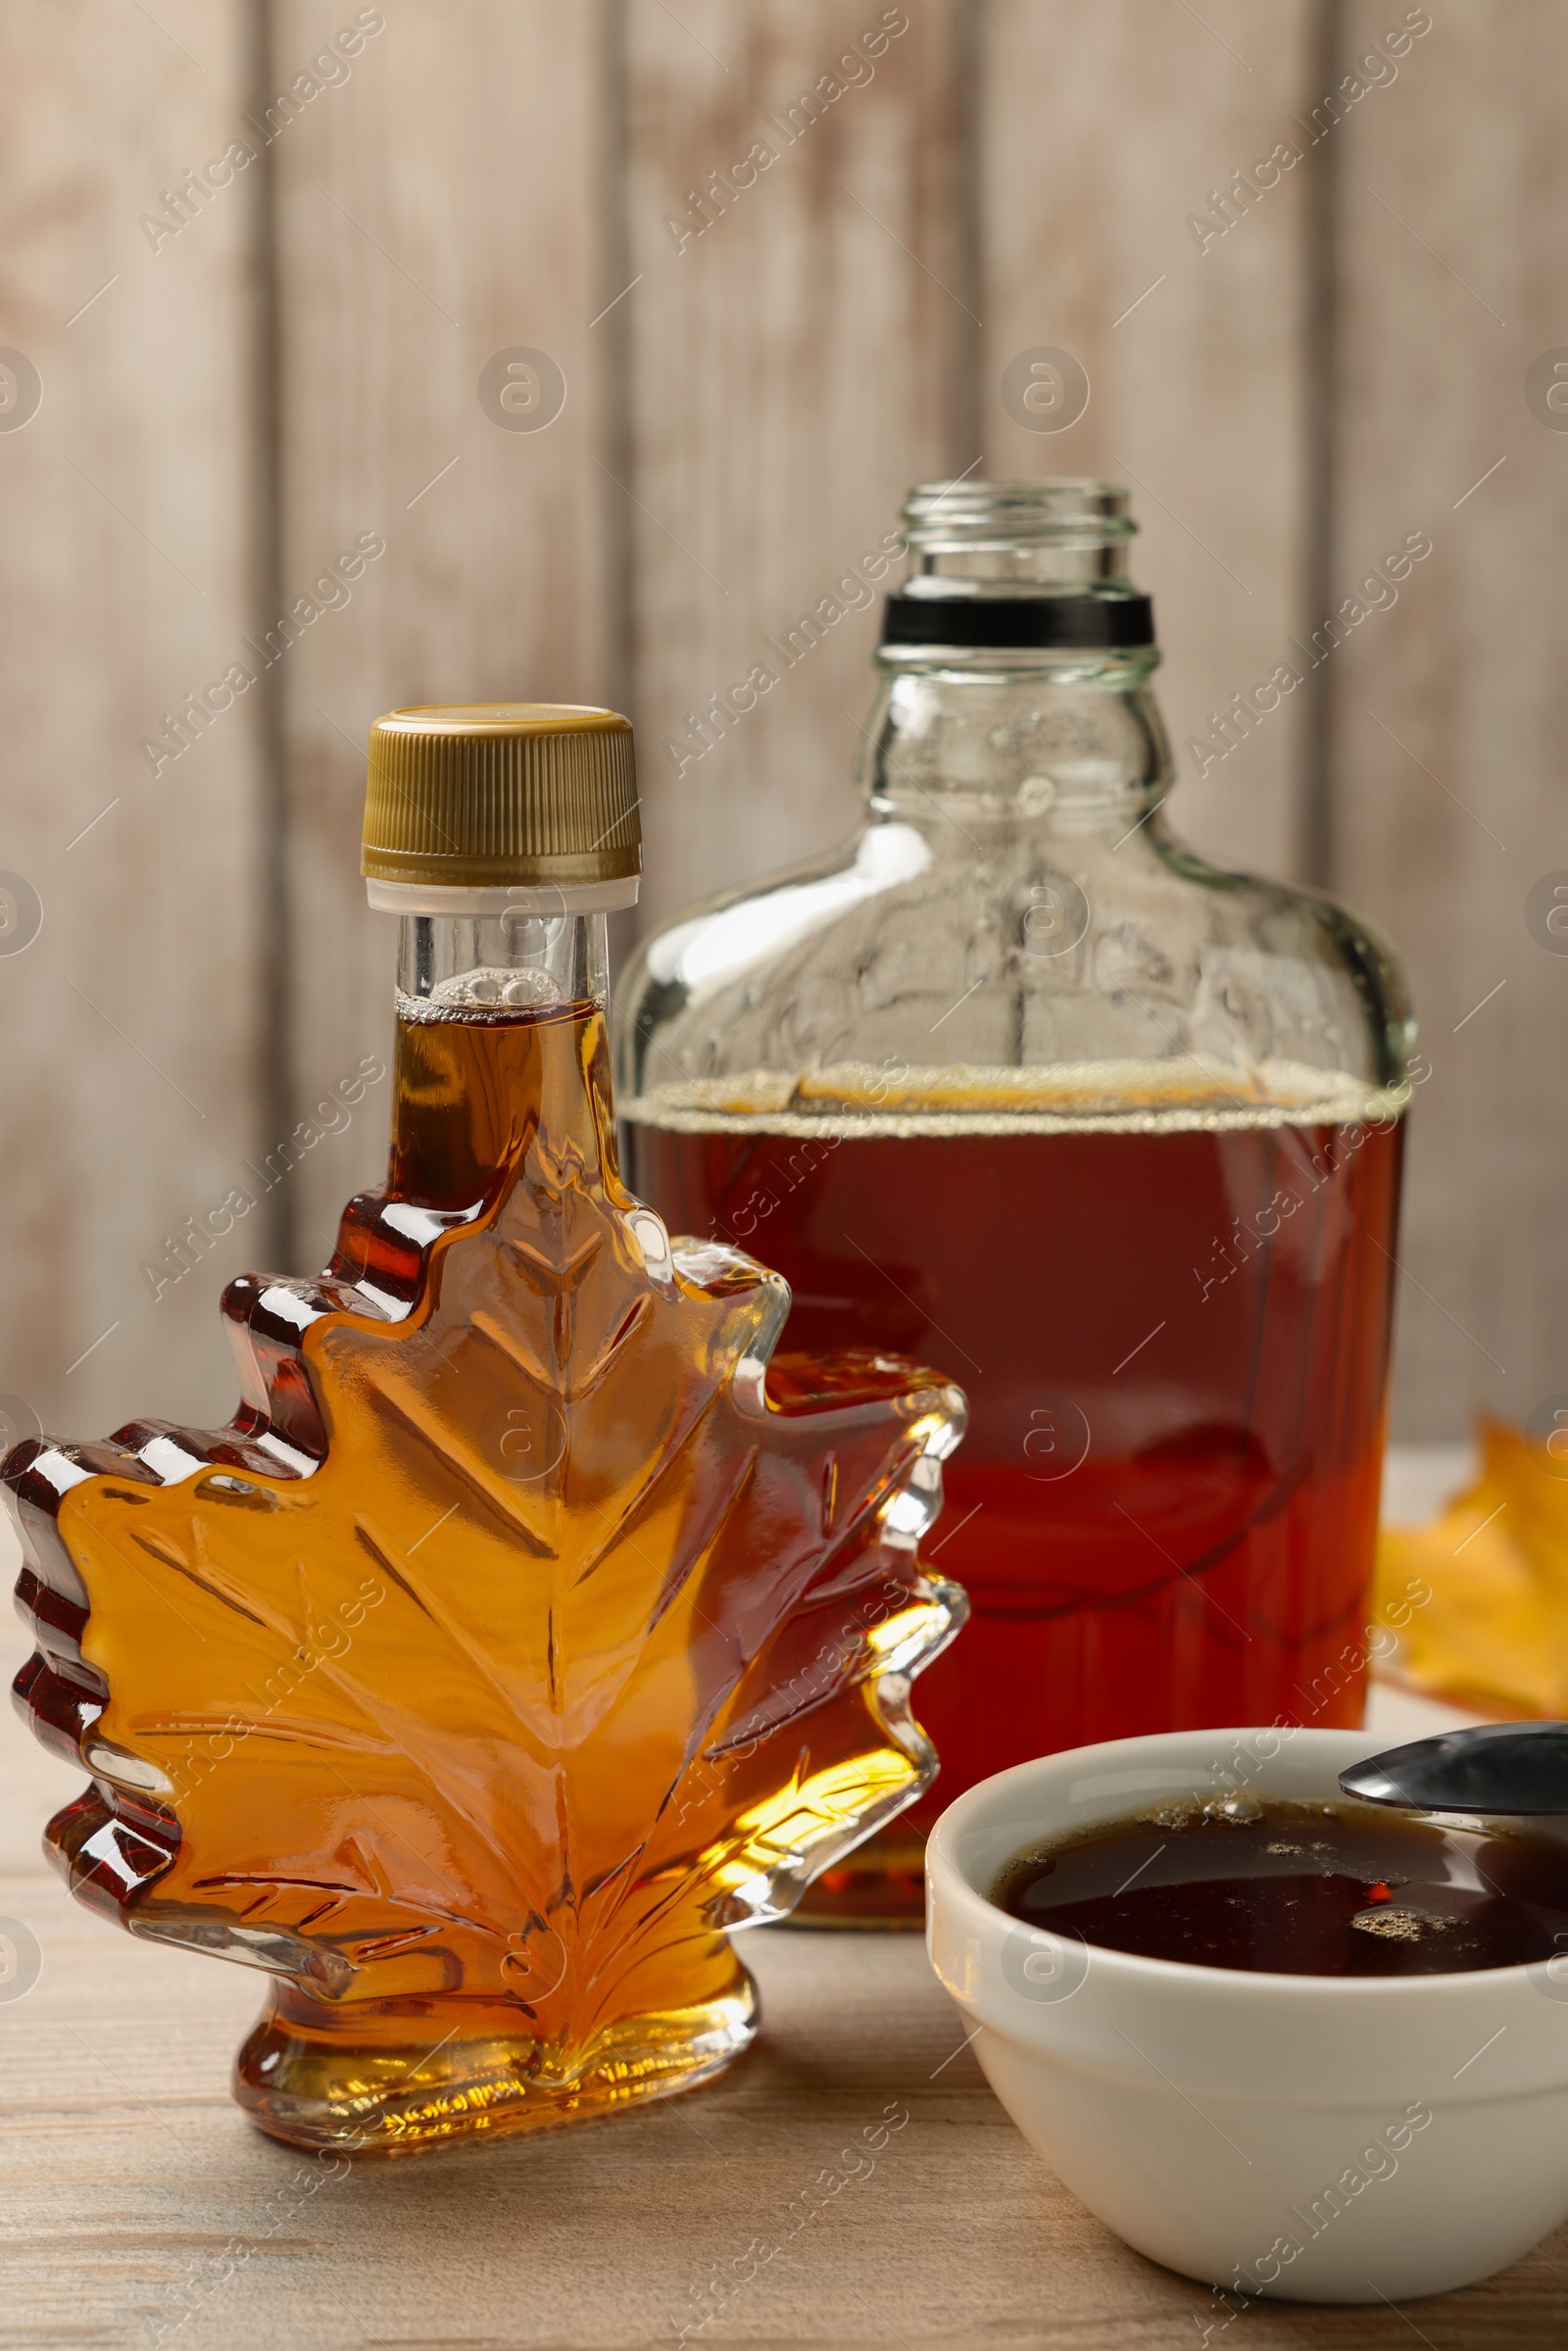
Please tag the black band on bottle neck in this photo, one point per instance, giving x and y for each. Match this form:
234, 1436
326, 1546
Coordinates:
1018, 620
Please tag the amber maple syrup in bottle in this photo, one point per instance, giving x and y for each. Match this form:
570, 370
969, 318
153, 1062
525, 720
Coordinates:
1019, 1083
526, 1629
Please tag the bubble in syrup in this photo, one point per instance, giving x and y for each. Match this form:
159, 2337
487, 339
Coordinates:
530, 988
1235, 1809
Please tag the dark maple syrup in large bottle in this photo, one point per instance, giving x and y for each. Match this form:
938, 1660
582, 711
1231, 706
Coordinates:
1166, 1505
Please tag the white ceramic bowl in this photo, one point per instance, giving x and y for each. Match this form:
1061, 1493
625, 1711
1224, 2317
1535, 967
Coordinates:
1305, 2137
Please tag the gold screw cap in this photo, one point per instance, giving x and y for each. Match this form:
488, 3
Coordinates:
492, 795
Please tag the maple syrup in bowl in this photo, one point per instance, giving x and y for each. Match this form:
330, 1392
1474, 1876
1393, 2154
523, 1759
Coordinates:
1292, 1888
1332, 2071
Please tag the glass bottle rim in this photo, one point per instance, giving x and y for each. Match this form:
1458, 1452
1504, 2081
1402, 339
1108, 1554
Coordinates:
1076, 511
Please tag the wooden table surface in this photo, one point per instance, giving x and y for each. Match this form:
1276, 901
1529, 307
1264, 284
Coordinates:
133, 2199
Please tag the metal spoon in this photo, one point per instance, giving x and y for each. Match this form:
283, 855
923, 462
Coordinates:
1495, 1767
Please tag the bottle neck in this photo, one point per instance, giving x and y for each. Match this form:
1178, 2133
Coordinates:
501, 1049
1068, 742
1035, 708
513, 961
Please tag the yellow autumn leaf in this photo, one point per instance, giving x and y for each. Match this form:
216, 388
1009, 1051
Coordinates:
1480, 1594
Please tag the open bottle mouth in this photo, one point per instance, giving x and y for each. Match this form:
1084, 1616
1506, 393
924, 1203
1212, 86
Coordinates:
1018, 563
1069, 514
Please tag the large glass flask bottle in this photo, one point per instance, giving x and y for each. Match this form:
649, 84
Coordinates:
1017, 1084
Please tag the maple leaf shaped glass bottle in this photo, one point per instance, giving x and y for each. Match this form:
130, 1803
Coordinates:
525, 1629
1016, 1075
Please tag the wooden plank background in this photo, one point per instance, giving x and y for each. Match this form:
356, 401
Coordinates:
301, 365
134, 1063
1449, 725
